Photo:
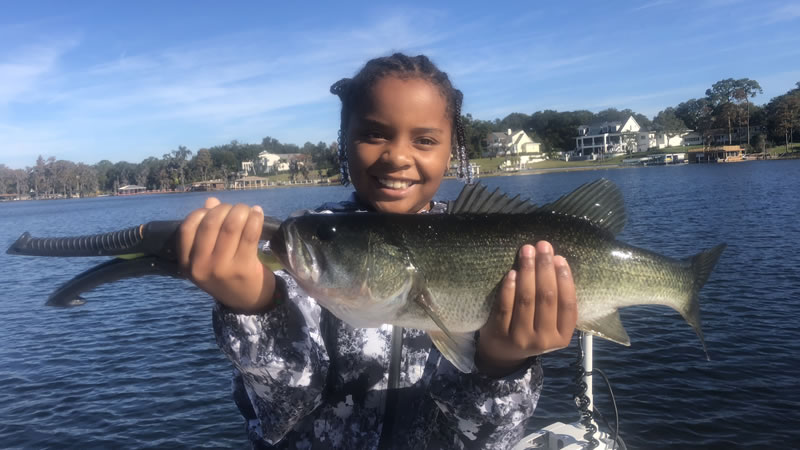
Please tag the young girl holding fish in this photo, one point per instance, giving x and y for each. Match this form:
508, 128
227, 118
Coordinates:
303, 378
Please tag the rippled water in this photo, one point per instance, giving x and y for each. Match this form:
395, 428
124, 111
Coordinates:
137, 366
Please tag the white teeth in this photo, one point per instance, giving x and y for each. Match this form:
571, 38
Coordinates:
394, 184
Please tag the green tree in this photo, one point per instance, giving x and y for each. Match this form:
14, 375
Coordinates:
203, 162
784, 113
103, 168
731, 99
744, 90
176, 164
668, 122
692, 112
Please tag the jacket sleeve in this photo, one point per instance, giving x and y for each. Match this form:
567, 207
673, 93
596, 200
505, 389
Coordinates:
280, 357
485, 412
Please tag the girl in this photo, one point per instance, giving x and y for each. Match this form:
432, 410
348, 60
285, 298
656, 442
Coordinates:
303, 378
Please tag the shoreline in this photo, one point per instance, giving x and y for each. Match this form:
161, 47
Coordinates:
447, 177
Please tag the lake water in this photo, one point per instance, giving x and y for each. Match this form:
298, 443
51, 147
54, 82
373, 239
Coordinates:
137, 366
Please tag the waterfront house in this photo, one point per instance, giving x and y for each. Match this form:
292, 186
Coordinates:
251, 182
268, 162
725, 153
129, 189
621, 137
721, 136
248, 167
515, 144
210, 185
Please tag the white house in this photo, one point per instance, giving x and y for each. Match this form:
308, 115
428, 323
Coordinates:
610, 137
621, 137
248, 167
664, 140
515, 143
268, 161
720, 136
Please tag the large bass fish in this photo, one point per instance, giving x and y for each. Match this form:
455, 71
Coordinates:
440, 272
436, 272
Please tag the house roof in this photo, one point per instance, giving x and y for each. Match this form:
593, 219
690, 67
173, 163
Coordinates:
598, 127
504, 136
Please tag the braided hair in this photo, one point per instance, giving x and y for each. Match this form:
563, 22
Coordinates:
352, 91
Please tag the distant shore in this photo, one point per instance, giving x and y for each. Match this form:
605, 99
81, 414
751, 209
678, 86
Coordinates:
334, 182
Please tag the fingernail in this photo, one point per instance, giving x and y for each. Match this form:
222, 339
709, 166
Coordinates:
544, 247
257, 209
562, 268
526, 256
544, 253
512, 275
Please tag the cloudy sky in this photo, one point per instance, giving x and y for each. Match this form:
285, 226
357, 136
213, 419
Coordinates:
87, 81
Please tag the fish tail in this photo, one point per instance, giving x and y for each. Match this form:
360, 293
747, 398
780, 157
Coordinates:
702, 264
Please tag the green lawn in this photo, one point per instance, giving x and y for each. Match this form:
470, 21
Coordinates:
775, 152
490, 165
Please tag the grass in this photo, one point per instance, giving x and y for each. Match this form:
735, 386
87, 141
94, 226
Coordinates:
775, 152
490, 165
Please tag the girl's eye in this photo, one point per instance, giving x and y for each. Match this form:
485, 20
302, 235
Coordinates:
373, 135
426, 141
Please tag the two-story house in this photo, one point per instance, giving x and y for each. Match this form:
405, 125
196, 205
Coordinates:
622, 137
516, 144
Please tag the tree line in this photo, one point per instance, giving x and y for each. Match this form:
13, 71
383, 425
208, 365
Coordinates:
725, 109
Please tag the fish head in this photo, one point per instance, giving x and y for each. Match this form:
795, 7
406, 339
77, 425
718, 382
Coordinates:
345, 261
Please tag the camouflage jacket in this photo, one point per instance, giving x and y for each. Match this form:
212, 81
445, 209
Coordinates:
305, 379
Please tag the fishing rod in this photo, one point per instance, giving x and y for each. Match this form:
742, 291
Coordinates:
146, 249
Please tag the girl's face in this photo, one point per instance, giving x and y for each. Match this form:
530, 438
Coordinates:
399, 145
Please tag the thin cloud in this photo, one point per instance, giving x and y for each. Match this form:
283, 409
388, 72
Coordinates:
783, 13
652, 4
21, 72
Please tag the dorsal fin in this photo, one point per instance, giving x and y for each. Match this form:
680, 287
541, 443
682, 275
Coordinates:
599, 202
476, 199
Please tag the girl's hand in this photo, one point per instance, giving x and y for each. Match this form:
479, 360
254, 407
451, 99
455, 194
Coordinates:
535, 312
217, 248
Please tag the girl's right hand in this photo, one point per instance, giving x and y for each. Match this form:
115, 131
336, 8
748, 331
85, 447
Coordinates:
218, 250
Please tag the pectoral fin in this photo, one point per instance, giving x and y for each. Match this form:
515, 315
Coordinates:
607, 327
458, 348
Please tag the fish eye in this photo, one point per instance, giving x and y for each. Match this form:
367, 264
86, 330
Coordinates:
326, 232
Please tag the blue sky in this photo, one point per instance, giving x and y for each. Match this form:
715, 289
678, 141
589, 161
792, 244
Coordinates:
87, 81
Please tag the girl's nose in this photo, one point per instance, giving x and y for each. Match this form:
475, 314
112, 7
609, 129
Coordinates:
397, 154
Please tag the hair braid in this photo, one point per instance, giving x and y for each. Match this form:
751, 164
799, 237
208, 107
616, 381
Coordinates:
353, 91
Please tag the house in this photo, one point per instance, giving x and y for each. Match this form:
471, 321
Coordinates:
211, 185
622, 137
129, 189
247, 168
666, 140
268, 161
251, 182
725, 153
302, 160
610, 137
721, 136
515, 143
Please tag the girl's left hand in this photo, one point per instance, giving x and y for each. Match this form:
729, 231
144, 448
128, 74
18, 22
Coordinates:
535, 312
